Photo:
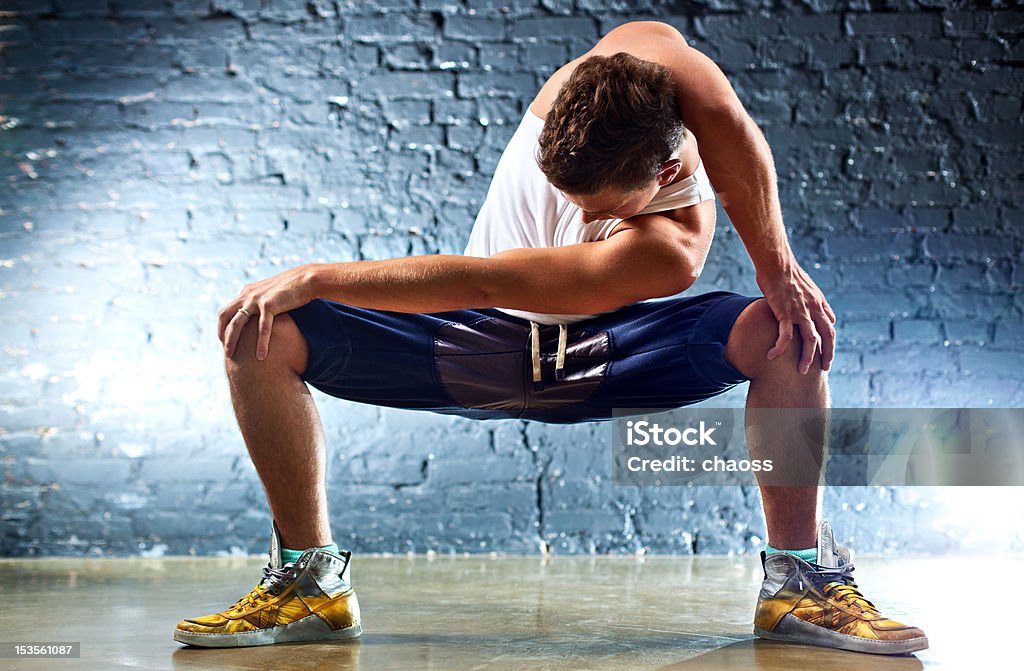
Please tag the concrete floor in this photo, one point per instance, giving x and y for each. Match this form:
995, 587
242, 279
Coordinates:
504, 613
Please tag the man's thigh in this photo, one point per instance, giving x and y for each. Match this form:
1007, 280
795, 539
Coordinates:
397, 359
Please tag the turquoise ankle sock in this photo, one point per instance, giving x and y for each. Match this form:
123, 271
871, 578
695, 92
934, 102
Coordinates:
289, 555
808, 555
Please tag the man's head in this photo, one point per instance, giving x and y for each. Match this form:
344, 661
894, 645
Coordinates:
610, 138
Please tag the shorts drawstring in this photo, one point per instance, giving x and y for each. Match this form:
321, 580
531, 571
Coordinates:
535, 349
563, 337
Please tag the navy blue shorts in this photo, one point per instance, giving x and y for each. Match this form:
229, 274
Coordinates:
479, 363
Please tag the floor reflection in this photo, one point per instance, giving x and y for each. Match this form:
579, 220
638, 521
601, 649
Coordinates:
497, 613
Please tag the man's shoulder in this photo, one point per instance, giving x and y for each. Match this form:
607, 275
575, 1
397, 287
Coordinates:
653, 41
683, 220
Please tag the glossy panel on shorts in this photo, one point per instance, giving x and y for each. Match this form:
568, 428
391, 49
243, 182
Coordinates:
488, 365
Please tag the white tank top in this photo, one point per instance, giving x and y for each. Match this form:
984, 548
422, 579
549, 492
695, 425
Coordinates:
522, 209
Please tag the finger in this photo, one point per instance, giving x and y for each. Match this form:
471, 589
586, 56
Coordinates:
782, 342
811, 345
828, 310
225, 316
263, 340
828, 343
234, 332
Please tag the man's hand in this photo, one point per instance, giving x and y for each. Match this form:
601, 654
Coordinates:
796, 300
263, 300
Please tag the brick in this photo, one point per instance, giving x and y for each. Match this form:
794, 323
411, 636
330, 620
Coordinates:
465, 138
86, 30
967, 275
390, 28
554, 28
894, 24
407, 112
813, 24
218, 30
412, 137
448, 111
96, 472
829, 53
108, 88
451, 56
408, 57
993, 363
137, 8
190, 9
960, 331
510, 85
740, 26
734, 54
870, 247
860, 333
959, 246
500, 57
190, 469
544, 55
953, 303
209, 88
499, 111
858, 304
408, 85
911, 360
911, 275
1008, 22
917, 331
961, 23
474, 28
1009, 334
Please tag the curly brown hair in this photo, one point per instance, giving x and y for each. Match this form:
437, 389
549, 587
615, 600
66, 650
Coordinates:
614, 122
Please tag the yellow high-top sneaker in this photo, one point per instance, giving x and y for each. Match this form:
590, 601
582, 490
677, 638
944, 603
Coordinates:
819, 604
309, 599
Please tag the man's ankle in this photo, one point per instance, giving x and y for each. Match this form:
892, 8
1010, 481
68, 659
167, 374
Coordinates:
289, 555
809, 555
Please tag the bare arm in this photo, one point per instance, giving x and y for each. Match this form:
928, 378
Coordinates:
638, 263
657, 257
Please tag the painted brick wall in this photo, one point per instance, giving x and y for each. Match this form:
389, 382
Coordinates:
155, 156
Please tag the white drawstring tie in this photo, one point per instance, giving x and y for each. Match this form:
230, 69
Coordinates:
563, 337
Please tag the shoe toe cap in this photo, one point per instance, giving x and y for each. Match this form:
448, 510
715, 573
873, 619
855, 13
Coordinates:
890, 630
203, 625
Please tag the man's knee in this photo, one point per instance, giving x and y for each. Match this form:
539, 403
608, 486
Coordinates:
288, 347
754, 333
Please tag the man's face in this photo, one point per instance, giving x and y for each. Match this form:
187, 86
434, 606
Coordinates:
612, 203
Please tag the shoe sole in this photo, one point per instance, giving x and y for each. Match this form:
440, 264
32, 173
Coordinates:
794, 630
309, 628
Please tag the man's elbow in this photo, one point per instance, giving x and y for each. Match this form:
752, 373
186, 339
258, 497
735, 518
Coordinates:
675, 280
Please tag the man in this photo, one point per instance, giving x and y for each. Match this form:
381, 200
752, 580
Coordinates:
599, 203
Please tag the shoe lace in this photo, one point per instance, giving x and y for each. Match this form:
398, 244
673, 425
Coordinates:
271, 584
838, 583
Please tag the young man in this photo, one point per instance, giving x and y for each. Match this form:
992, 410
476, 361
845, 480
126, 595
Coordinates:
600, 202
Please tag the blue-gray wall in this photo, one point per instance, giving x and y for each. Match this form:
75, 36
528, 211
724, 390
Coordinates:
156, 156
